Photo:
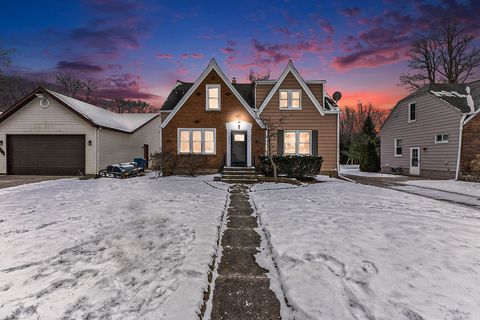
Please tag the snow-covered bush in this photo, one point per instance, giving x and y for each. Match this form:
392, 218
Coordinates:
293, 166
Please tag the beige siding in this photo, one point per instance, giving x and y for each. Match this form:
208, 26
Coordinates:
56, 119
261, 92
432, 117
309, 118
117, 147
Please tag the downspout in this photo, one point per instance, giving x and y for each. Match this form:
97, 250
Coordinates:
460, 131
338, 143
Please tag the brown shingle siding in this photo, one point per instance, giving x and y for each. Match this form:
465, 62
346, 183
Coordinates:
470, 156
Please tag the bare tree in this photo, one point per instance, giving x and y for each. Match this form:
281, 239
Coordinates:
254, 76
271, 130
69, 85
446, 55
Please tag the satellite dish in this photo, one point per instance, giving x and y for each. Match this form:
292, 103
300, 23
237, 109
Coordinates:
337, 95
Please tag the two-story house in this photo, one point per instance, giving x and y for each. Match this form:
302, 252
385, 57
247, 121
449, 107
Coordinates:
222, 120
424, 133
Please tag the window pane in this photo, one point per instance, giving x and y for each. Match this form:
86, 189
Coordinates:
238, 137
209, 147
295, 103
213, 103
184, 135
399, 142
304, 136
445, 137
283, 95
283, 103
289, 142
209, 135
197, 147
296, 95
196, 135
213, 92
184, 147
304, 148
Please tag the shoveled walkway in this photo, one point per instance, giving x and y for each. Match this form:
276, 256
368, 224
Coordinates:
242, 287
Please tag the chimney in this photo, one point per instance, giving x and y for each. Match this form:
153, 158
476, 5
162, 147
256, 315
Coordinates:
234, 80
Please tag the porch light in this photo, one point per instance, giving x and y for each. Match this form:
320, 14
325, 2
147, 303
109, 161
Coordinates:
1, 143
239, 124
89, 143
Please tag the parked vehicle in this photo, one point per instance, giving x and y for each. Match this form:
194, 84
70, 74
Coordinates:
120, 170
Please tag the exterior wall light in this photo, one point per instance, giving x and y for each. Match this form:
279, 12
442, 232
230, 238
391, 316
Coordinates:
239, 123
1, 143
89, 143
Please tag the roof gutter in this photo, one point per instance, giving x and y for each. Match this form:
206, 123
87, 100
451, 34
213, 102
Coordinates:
460, 136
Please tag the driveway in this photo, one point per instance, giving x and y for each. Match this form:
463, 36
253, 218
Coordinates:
445, 190
7, 181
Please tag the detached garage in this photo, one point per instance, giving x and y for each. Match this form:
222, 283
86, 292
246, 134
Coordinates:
48, 133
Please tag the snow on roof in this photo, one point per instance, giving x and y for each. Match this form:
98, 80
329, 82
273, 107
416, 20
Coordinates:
127, 122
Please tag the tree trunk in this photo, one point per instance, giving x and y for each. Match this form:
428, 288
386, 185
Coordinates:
274, 166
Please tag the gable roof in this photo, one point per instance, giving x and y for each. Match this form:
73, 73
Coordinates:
211, 66
246, 90
453, 94
291, 69
96, 116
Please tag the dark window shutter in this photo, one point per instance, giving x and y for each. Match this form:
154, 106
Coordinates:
280, 142
315, 142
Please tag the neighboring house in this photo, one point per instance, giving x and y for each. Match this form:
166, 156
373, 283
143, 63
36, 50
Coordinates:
423, 133
48, 133
222, 120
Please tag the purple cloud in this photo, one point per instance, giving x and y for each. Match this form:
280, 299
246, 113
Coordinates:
350, 12
164, 56
79, 66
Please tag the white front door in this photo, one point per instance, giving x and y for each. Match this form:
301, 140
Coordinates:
415, 161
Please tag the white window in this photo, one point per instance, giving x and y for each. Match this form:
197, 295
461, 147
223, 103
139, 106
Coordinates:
398, 147
290, 99
197, 141
213, 97
412, 108
441, 138
297, 142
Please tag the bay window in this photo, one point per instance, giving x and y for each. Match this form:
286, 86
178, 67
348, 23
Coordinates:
297, 142
196, 141
290, 99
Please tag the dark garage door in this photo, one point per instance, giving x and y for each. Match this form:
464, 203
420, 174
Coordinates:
45, 154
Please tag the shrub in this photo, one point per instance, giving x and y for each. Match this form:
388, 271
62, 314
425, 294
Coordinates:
164, 163
292, 166
370, 161
190, 164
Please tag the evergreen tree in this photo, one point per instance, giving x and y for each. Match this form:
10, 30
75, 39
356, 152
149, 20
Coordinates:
368, 127
370, 160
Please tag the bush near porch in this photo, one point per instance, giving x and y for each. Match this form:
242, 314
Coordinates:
292, 166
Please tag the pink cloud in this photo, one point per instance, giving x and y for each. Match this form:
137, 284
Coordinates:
197, 55
184, 55
164, 56
370, 58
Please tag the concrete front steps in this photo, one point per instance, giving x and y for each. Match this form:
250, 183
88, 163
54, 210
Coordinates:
239, 175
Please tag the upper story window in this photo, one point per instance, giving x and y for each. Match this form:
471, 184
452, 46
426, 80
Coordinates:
198, 141
412, 116
441, 138
398, 147
213, 97
291, 99
297, 142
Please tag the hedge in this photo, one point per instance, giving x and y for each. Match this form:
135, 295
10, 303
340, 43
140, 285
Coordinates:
292, 166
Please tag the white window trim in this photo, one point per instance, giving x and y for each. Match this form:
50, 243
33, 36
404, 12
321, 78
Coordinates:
297, 142
207, 107
409, 111
395, 147
289, 99
202, 141
442, 141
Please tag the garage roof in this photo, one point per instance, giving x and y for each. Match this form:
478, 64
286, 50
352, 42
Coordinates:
124, 122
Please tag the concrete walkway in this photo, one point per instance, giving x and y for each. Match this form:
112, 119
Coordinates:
7, 181
241, 289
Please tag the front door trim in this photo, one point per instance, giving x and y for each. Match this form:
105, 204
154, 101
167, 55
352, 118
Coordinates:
239, 126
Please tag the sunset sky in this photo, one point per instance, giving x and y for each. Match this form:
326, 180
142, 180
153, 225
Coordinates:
138, 49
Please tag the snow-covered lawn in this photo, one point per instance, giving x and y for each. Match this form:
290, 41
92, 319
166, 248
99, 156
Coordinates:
354, 170
462, 187
106, 248
350, 251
